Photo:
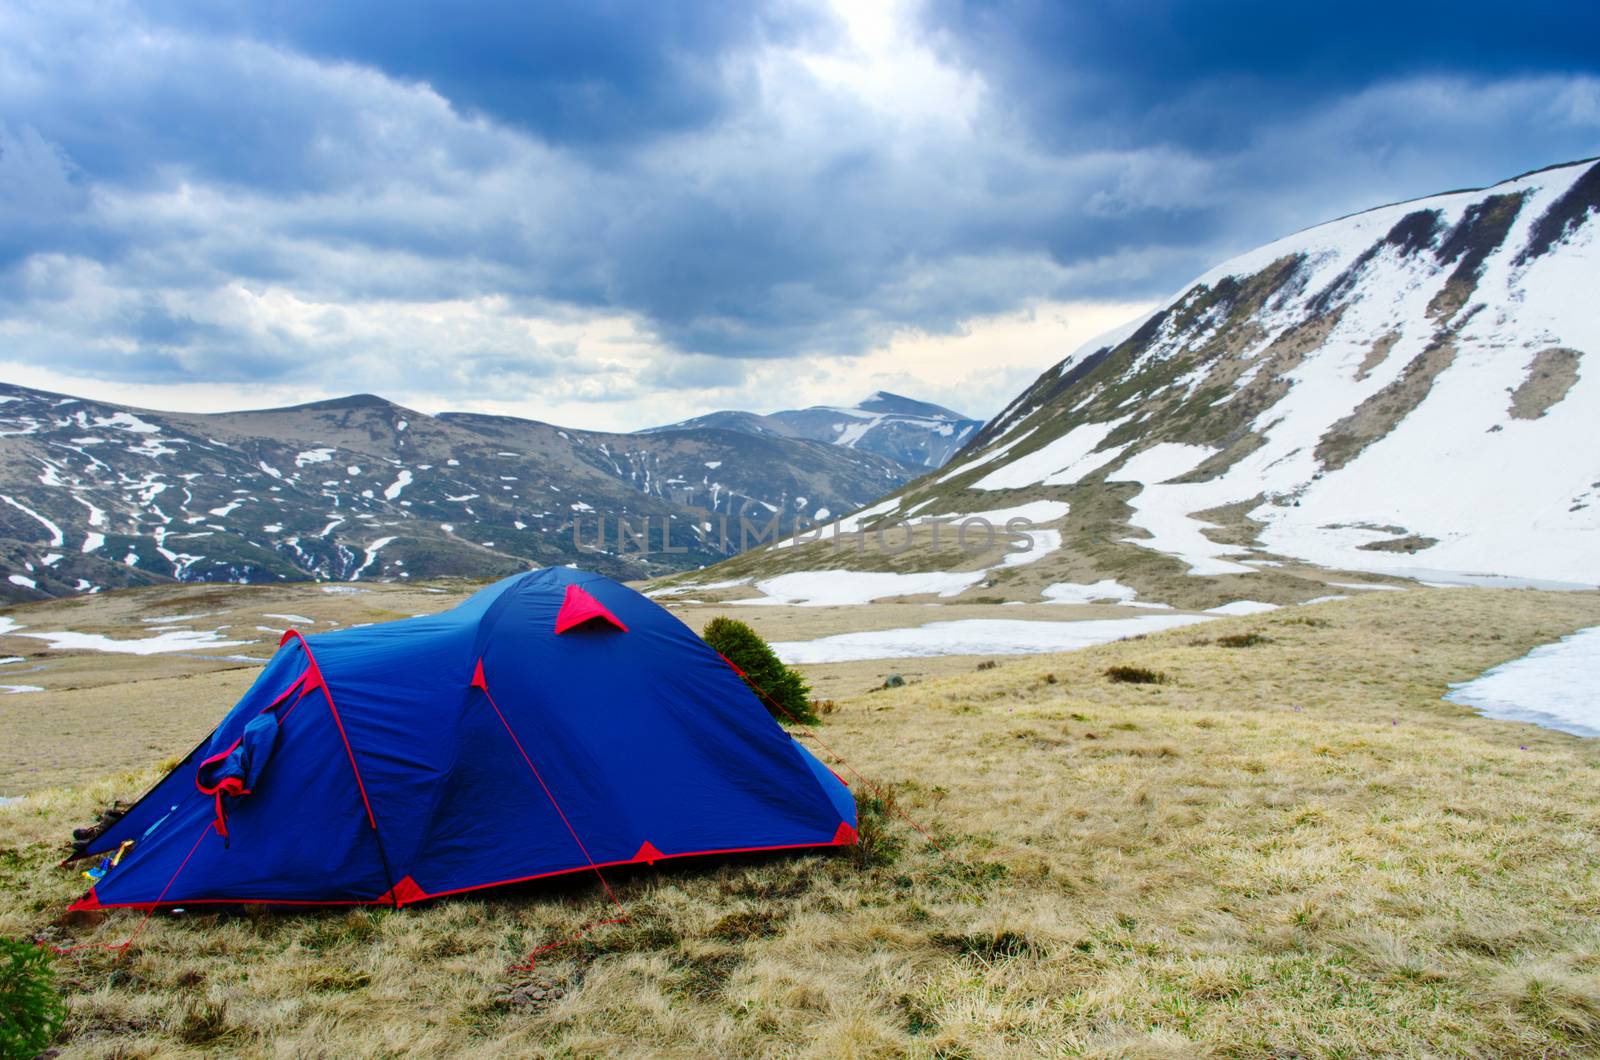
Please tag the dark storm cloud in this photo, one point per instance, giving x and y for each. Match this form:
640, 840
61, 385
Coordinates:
165, 168
41, 195
1209, 75
587, 72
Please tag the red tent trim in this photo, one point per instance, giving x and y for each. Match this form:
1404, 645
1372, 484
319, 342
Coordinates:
578, 607
403, 893
407, 895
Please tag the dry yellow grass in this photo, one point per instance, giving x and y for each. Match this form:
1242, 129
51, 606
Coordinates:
1291, 848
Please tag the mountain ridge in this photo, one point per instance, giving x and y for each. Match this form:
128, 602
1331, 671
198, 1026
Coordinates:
1407, 391
96, 494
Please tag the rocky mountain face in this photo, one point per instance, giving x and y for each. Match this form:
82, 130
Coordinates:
94, 495
914, 433
1411, 391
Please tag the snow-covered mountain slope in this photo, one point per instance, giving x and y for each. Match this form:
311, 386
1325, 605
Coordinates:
915, 433
1410, 391
94, 495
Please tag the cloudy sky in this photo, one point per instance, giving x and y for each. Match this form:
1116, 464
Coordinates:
620, 214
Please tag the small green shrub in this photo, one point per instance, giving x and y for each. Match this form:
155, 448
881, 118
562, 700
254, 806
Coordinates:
31, 1011
1243, 640
1136, 675
782, 690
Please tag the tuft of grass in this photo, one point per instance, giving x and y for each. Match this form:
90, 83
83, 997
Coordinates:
202, 1021
1135, 675
1243, 640
990, 946
877, 842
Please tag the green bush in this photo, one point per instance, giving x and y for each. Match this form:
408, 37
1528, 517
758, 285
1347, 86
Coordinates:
764, 672
30, 1010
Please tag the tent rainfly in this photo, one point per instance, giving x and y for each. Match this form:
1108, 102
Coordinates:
553, 722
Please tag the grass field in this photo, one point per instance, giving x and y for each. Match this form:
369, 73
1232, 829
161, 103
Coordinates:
1289, 848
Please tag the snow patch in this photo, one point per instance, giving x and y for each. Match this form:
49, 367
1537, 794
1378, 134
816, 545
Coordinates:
976, 636
1553, 685
1107, 590
177, 640
372, 551
1161, 462
833, 588
127, 421
1242, 607
1032, 511
698, 587
56, 537
1053, 463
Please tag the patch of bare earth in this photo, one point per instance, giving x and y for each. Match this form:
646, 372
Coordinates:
1481, 230
1379, 414
1230, 524
1377, 354
1551, 374
1405, 543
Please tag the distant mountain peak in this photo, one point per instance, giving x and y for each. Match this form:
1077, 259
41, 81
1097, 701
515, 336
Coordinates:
884, 401
349, 401
918, 434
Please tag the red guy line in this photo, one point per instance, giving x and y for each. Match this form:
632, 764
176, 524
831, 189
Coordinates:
623, 918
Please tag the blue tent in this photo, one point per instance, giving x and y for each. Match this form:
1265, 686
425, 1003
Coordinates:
553, 721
